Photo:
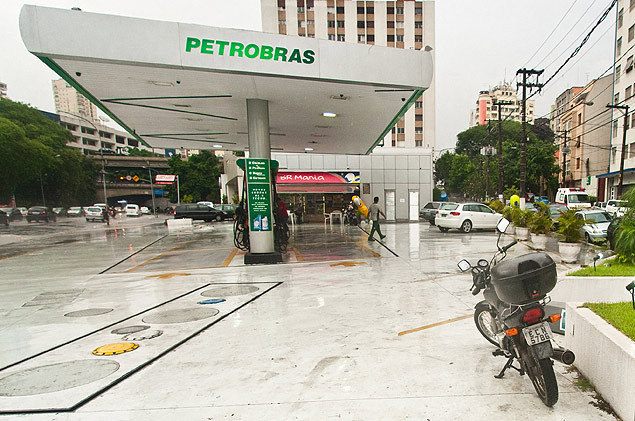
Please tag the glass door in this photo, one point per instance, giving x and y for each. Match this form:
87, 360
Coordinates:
390, 205
413, 207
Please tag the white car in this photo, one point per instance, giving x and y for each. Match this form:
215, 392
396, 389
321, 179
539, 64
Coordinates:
616, 207
95, 213
210, 204
133, 210
144, 210
466, 217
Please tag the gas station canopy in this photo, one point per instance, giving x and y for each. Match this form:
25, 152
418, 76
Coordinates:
177, 85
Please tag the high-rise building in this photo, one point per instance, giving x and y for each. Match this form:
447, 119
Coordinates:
405, 24
486, 110
67, 99
3, 90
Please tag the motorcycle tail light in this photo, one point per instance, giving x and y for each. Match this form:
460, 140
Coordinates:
533, 316
555, 317
511, 332
455, 213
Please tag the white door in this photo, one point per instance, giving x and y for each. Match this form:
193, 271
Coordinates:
390, 205
413, 206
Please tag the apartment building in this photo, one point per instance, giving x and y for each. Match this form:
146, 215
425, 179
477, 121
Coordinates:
3, 90
623, 92
584, 135
486, 109
68, 100
561, 105
400, 170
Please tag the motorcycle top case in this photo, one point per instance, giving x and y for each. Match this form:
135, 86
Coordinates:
524, 279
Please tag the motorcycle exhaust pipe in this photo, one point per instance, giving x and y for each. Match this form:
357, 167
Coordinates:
565, 356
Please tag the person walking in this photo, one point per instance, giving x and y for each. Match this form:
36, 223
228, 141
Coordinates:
373, 214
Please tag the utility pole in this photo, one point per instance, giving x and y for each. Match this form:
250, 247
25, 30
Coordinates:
499, 149
523, 141
624, 109
564, 157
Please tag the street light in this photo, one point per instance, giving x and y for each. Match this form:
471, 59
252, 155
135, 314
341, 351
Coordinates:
101, 151
623, 108
154, 208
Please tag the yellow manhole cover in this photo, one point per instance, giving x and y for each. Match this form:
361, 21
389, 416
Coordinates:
115, 349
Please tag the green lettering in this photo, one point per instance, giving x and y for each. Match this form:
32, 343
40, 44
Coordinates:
280, 53
266, 52
207, 46
295, 56
252, 50
221, 46
192, 43
309, 57
236, 48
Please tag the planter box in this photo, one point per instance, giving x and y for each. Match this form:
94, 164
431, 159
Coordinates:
522, 234
605, 356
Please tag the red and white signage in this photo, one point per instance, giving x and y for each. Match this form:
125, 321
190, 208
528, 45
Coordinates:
306, 177
164, 179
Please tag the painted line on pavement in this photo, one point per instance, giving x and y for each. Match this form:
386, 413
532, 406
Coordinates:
231, 256
456, 319
380, 242
136, 252
298, 254
160, 255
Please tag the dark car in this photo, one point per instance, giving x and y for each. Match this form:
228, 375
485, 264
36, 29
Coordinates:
196, 211
554, 211
13, 214
428, 211
40, 213
4, 218
611, 231
228, 210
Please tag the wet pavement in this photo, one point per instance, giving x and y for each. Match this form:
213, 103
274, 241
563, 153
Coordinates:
344, 328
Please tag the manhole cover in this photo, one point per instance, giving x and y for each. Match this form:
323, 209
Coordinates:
116, 349
148, 334
229, 291
56, 377
88, 312
180, 315
129, 329
54, 297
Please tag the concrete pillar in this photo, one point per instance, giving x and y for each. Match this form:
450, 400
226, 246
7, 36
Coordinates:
259, 147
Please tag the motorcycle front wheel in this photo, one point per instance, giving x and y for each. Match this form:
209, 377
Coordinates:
486, 324
540, 371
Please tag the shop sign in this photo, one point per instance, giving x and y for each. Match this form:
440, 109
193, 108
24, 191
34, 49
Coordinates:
253, 51
164, 179
259, 193
349, 177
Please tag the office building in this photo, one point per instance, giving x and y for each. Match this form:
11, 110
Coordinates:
486, 109
68, 100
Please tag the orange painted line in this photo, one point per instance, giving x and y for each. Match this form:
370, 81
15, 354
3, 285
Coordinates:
456, 319
165, 253
298, 255
230, 257
363, 247
436, 277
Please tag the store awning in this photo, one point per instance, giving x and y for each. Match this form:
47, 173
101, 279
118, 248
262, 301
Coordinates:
614, 173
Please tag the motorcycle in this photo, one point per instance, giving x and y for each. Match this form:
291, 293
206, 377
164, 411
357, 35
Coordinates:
512, 315
351, 217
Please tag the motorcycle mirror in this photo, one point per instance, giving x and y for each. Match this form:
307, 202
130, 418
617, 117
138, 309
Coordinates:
464, 265
502, 225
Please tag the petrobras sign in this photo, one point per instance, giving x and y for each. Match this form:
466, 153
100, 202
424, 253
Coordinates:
254, 51
305, 177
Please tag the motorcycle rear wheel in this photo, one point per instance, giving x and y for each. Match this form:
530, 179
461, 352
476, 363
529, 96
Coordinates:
540, 371
485, 324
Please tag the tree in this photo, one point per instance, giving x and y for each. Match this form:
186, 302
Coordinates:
36, 159
442, 167
140, 152
198, 176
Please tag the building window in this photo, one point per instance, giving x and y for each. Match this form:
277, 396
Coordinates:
340, 10
360, 24
418, 38
370, 24
632, 120
390, 38
332, 37
418, 143
360, 10
617, 98
401, 130
133, 143
370, 38
418, 10
340, 23
615, 129
418, 130
631, 33
361, 38
618, 48
282, 22
579, 119
399, 38
300, 9
341, 38
301, 24
620, 19
310, 22
418, 24
577, 163
627, 92
370, 10
618, 72
400, 10
331, 24
390, 24
630, 7
419, 104
390, 10
399, 25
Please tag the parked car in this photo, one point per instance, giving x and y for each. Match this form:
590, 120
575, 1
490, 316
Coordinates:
75, 211
210, 204
429, 211
228, 210
23, 211
597, 223
543, 199
616, 207
554, 212
466, 217
144, 210
40, 213
196, 211
60, 211
133, 210
4, 218
612, 231
600, 205
95, 213
13, 214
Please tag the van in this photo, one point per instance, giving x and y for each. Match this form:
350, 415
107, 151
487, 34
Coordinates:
132, 210
573, 197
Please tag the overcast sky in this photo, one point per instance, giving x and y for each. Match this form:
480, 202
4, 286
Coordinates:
479, 43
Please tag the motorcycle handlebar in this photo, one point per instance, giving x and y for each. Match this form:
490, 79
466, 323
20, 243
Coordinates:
476, 290
508, 246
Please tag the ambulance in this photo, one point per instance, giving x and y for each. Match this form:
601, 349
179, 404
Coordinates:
573, 197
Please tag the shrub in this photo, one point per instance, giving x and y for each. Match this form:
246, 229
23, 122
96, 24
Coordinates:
507, 213
570, 226
540, 222
509, 192
625, 235
497, 206
520, 217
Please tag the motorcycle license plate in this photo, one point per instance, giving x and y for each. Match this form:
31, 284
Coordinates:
537, 334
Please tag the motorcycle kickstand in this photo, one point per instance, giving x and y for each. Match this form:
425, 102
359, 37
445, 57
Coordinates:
507, 365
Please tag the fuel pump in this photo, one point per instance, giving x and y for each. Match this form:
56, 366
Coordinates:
241, 224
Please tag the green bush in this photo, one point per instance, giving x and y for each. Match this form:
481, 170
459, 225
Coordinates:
507, 213
520, 217
509, 192
497, 205
570, 226
540, 222
625, 236
436, 194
